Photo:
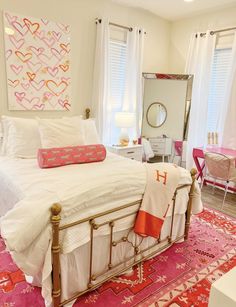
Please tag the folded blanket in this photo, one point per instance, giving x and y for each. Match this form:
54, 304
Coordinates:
162, 181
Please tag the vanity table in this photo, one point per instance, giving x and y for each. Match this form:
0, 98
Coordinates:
161, 147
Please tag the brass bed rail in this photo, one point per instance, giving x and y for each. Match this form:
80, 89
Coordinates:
137, 251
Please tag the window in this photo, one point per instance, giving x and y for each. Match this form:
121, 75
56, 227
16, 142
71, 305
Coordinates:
117, 66
219, 74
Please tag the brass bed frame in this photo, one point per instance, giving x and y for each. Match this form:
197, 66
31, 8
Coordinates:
112, 270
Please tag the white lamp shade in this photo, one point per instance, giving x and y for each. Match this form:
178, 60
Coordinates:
124, 119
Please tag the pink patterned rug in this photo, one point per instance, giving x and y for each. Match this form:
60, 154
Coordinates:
181, 276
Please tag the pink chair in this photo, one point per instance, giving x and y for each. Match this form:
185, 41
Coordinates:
220, 167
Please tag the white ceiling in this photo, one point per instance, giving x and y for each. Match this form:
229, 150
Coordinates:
177, 9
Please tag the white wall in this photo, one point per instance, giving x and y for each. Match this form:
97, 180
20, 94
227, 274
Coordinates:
81, 14
181, 31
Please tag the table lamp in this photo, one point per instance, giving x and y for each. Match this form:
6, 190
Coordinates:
124, 120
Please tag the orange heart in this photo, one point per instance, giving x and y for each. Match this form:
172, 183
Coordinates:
56, 88
65, 47
33, 27
13, 83
64, 67
24, 57
31, 75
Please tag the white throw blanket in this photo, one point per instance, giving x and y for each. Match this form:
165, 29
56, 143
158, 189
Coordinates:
162, 181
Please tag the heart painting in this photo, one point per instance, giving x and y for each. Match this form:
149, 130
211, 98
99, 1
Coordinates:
37, 54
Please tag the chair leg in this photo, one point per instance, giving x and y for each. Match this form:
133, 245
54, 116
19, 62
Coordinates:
226, 190
213, 187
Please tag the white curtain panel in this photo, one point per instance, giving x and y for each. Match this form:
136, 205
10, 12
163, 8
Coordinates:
227, 129
199, 63
100, 98
133, 99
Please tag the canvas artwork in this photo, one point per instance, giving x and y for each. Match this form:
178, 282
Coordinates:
37, 53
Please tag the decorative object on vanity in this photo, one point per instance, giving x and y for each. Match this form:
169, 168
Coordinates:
133, 152
54, 157
37, 53
124, 120
212, 138
161, 146
156, 114
175, 91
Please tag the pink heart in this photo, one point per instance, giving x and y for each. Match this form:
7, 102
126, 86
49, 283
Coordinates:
36, 51
16, 69
58, 54
19, 96
53, 71
25, 85
48, 59
45, 21
38, 107
21, 29
10, 18
65, 104
63, 27
28, 104
48, 95
17, 43
8, 53
56, 35
34, 67
49, 41
37, 85
40, 34
67, 80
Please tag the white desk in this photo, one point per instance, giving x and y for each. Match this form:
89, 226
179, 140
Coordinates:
223, 291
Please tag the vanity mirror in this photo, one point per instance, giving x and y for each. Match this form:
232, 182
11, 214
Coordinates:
156, 114
166, 105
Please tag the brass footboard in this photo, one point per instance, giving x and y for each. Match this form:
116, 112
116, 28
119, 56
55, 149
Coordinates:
94, 225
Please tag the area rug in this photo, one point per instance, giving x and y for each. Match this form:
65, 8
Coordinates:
181, 276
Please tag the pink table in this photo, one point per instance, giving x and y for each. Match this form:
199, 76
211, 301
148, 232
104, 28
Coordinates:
198, 154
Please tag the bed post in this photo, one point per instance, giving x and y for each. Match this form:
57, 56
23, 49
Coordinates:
56, 282
193, 173
87, 113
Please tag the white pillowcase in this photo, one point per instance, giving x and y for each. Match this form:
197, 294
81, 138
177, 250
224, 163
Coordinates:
89, 129
21, 137
90, 132
60, 132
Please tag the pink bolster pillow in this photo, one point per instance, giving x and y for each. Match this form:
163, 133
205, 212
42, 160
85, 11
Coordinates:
53, 157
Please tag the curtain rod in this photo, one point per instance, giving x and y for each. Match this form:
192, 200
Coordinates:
98, 20
218, 31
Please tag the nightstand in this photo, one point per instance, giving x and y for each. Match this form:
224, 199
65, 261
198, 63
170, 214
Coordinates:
133, 152
161, 147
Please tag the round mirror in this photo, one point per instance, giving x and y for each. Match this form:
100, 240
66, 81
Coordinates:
156, 114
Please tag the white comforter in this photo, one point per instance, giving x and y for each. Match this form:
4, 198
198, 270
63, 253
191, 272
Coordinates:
83, 190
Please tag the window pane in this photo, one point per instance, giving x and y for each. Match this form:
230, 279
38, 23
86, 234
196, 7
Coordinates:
219, 74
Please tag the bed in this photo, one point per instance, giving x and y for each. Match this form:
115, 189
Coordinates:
55, 221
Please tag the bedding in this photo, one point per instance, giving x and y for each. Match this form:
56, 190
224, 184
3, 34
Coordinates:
83, 190
54, 157
21, 137
61, 132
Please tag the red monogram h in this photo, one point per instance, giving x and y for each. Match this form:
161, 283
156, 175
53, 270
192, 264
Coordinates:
163, 176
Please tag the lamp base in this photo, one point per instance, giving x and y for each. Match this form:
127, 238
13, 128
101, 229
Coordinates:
124, 138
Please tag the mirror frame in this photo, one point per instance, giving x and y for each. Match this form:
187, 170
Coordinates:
156, 102
188, 99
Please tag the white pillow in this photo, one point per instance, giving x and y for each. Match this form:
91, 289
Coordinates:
89, 129
21, 137
90, 132
60, 132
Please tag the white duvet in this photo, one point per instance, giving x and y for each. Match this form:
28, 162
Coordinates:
27, 193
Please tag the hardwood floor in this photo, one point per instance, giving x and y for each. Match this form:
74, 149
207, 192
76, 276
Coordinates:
215, 200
